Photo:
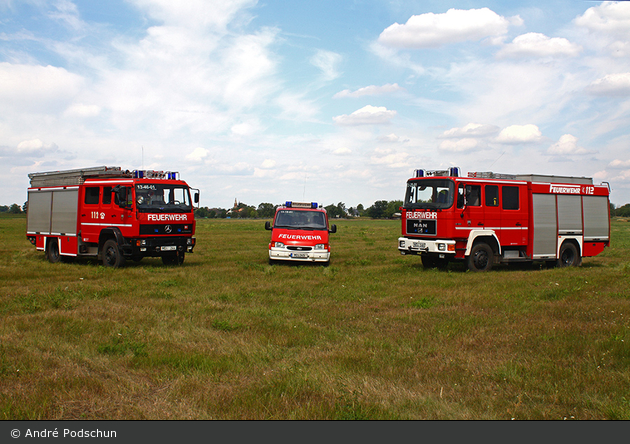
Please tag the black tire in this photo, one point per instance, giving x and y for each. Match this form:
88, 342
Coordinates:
481, 258
176, 258
112, 255
569, 255
52, 251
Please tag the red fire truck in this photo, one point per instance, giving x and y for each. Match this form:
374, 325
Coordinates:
111, 214
488, 218
300, 233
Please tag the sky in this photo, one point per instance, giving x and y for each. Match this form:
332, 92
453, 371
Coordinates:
328, 101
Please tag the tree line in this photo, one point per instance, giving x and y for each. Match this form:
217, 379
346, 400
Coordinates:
381, 209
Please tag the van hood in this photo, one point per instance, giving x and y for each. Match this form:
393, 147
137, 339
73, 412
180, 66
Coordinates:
299, 237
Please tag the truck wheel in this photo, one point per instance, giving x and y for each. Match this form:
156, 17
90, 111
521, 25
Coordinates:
52, 251
173, 258
481, 257
569, 256
112, 256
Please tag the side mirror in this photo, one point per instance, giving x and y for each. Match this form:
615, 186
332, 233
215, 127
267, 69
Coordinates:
333, 228
196, 198
268, 225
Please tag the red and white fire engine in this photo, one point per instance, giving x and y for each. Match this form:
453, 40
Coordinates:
111, 214
488, 218
300, 233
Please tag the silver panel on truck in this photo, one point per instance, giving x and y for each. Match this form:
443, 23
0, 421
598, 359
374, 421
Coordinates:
596, 220
64, 214
52, 211
38, 212
545, 227
569, 214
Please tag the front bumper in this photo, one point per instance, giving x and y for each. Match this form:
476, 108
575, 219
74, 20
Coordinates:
158, 246
284, 254
426, 246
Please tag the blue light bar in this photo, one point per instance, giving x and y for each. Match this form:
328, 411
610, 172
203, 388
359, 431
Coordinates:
288, 204
314, 205
418, 173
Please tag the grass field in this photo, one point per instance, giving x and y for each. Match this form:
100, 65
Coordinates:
372, 336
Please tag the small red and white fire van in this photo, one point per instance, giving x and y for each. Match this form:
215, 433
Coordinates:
300, 233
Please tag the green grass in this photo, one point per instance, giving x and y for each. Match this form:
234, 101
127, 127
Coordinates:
372, 336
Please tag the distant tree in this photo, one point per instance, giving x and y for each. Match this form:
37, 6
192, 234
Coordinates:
378, 209
361, 210
393, 207
4, 209
623, 211
15, 209
266, 210
338, 210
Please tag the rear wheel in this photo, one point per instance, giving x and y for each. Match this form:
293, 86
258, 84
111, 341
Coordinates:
112, 256
481, 258
569, 256
52, 251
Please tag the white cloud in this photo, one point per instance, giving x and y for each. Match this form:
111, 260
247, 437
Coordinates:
619, 163
609, 17
36, 88
36, 148
268, 164
193, 13
392, 138
342, 151
198, 154
368, 115
459, 146
82, 110
434, 30
371, 90
470, 130
567, 145
613, 85
534, 44
390, 158
515, 134
327, 62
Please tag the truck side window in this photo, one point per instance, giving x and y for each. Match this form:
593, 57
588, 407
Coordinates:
107, 195
492, 196
91, 195
510, 198
473, 195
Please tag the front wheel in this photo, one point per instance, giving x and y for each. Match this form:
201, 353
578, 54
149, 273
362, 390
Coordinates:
481, 258
112, 255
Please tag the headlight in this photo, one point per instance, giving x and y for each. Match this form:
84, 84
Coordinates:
442, 247
320, 247
278, 245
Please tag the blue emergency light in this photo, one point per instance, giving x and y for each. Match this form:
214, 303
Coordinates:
290, 204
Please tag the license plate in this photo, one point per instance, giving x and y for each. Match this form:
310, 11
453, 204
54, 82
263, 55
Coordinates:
420, 245
169, 248
299, 255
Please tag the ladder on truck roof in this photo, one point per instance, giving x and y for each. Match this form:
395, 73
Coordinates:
75, 177
534, 177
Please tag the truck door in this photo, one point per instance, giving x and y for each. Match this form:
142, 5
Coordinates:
514, 213
472, 213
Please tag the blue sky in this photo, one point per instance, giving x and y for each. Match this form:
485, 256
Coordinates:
328, 101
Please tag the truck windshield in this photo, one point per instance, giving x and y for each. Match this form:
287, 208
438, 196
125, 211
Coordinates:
429, 193
162, 198
301, 220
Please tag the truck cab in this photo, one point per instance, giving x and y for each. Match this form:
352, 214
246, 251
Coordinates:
300, 233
